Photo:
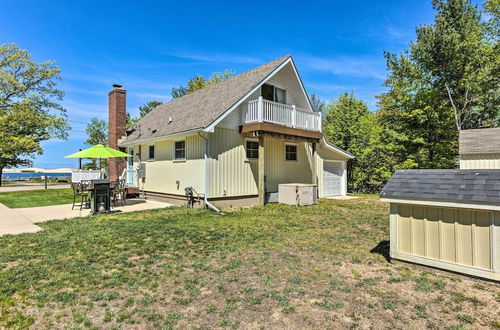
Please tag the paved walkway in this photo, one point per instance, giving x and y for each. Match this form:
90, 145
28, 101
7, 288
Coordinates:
23, 220
36, 186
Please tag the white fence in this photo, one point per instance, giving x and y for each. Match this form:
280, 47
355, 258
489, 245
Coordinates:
261, 110
79, 175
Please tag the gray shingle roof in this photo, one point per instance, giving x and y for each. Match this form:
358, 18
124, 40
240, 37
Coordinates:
470, 186
479, 141
199, 109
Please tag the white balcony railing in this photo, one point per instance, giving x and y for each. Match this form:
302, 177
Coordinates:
261, 110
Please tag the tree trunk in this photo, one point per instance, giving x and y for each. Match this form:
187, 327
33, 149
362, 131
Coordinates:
1, 171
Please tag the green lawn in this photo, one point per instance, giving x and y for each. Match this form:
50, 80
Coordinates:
33, 198
275, 267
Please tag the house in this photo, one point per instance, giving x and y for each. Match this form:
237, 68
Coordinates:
479, 148
234, 142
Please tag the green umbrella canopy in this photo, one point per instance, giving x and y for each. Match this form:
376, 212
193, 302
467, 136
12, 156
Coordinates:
99, 151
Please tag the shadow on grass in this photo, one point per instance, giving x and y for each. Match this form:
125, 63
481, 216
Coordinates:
382, 248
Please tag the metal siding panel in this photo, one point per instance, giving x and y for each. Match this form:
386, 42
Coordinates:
404, 228
448, 235
464, 237
418, 231
432, 239
482, 249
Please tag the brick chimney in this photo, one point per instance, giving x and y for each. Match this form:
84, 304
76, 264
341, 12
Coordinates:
117, 100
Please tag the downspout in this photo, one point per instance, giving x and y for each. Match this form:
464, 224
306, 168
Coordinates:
207, 181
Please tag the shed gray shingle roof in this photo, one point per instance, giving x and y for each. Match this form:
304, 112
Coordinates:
479, 141
199, 109
458, 185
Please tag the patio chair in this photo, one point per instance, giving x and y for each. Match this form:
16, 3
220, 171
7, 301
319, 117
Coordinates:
79, 193
119, 192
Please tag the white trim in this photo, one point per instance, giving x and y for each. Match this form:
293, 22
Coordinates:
337, 150
446, 265
211, 127
452, 204
160, 138
174, 150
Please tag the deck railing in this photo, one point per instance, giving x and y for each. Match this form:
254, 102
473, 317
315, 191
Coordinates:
261, 110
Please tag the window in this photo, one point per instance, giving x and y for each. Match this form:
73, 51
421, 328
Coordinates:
151, 154
252, 149
279, 95
291, 152
180, 150
272, 93
268, 92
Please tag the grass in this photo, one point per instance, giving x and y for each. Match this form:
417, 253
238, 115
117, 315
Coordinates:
307, 267
34, 198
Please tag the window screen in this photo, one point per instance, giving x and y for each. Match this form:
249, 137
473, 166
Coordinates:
252, 150
180, 149
291, 152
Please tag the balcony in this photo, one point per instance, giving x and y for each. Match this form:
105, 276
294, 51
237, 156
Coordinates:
264, 111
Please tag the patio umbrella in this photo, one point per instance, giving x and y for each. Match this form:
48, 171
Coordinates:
99, 151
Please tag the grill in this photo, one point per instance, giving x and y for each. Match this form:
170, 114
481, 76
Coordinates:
101, 196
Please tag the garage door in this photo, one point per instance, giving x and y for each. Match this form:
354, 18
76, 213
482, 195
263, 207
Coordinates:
332, 179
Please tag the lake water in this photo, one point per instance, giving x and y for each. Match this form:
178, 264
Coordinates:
26, 175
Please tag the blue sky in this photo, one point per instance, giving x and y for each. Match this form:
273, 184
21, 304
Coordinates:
151, 46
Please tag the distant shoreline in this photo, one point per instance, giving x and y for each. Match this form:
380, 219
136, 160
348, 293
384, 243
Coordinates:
38, 170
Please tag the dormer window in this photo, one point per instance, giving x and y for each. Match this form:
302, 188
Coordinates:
273, 93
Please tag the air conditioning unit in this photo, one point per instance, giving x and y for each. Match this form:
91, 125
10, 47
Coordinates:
298, 194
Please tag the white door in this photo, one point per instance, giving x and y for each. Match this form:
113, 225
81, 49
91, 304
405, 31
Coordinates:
332, 179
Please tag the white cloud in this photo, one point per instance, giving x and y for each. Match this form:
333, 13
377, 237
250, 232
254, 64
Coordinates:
216, 58
360, 66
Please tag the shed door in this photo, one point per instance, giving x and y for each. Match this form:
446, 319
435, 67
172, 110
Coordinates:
332, 179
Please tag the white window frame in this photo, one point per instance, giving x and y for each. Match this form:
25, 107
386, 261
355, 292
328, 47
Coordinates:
149, 152
246, 155
296, 145
185, 150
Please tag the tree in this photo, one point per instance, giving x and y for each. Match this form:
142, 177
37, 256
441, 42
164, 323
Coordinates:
146, 108
30, 112
348, 125
317, 104
446, 81
198, 82
97, 133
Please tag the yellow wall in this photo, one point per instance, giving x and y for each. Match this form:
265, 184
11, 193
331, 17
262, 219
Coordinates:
453, 235
163, 172
480, 161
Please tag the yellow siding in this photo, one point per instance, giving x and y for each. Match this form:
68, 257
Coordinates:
230, 172
480, 161
278, 170
163, 172
454, 235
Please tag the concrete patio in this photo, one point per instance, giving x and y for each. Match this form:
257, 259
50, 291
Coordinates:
23, 220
